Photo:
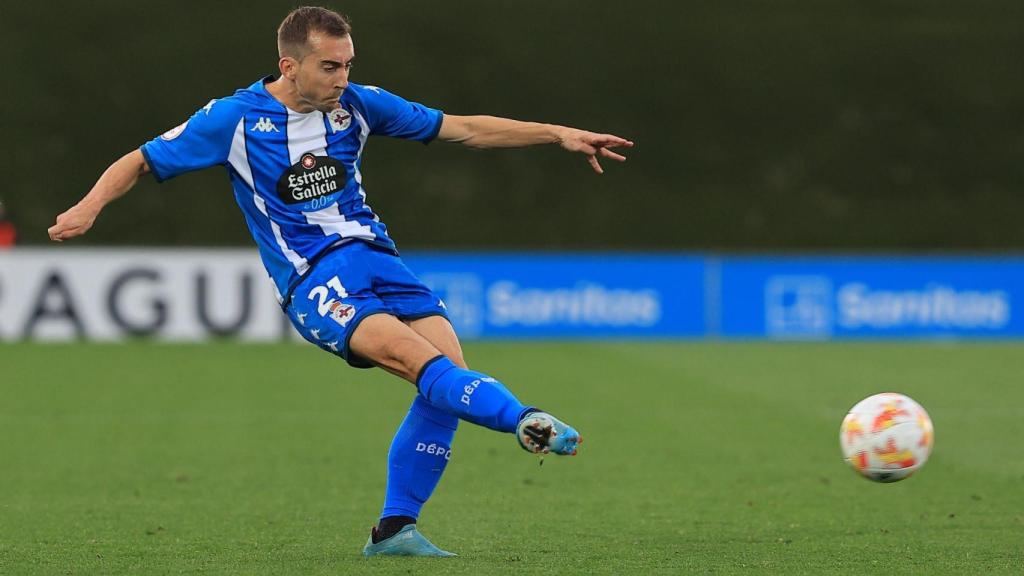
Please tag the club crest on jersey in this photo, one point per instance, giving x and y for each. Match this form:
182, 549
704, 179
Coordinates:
342, 313
311, 178
174, 132
340, 119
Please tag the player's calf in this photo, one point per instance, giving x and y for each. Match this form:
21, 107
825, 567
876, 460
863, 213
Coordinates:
470, 395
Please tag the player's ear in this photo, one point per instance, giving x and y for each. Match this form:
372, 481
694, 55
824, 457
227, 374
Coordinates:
288, 66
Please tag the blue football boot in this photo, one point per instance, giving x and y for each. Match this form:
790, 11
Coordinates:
406, 542
541, 433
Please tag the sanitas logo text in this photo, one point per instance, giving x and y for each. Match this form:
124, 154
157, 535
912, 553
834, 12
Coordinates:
585, 304
936, 306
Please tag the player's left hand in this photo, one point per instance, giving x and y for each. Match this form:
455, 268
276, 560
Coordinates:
74, 222
593, 145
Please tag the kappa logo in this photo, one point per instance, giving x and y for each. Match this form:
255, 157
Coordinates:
340, 119
342, 313
264, 125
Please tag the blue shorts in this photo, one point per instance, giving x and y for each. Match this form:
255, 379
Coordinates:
347, 285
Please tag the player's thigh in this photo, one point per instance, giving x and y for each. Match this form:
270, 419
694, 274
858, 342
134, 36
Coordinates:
391, 344
326, 312
439, 332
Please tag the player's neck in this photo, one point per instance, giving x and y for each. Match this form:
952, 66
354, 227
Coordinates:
284, 92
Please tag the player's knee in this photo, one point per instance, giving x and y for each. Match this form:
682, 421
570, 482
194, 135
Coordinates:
456, 357
405, 353
451, 348
453, 351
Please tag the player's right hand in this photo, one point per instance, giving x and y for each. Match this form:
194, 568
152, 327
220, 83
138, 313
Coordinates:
593, 145
74, 222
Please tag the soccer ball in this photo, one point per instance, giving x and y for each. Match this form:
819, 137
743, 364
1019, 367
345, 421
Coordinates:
886, 437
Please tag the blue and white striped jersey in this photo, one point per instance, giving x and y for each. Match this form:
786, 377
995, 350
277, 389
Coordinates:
296, 176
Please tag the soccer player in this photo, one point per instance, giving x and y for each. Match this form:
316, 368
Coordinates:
292, 146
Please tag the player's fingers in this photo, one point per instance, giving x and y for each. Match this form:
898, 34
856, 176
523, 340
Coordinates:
612, 141
60, 233
595, 164
609, 154
54, 232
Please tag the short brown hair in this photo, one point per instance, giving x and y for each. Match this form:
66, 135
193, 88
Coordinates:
293, 33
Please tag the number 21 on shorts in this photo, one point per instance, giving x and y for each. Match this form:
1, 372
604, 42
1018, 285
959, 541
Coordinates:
339, 312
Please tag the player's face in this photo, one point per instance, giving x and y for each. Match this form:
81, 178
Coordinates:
323, 74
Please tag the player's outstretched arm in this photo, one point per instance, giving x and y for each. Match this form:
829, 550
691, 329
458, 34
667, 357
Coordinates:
115, 181
494, 132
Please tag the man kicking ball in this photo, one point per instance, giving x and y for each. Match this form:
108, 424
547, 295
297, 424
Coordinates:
292, 146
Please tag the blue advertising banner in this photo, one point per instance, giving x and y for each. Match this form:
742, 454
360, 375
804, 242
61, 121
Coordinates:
194, 294
568, 295
869, 297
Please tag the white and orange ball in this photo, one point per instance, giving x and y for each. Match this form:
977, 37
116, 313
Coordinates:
886, 437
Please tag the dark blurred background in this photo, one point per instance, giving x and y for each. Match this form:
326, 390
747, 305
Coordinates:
797, 125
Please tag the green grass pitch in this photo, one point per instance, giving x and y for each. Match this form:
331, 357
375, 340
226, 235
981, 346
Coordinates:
700, 458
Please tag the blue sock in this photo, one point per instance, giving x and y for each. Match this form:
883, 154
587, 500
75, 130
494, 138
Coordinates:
417, 458
470, 395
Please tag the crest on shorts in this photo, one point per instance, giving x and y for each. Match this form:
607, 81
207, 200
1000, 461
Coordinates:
342, 313
340, 119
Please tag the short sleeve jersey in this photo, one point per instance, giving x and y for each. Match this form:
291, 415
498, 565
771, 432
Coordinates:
295, 175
